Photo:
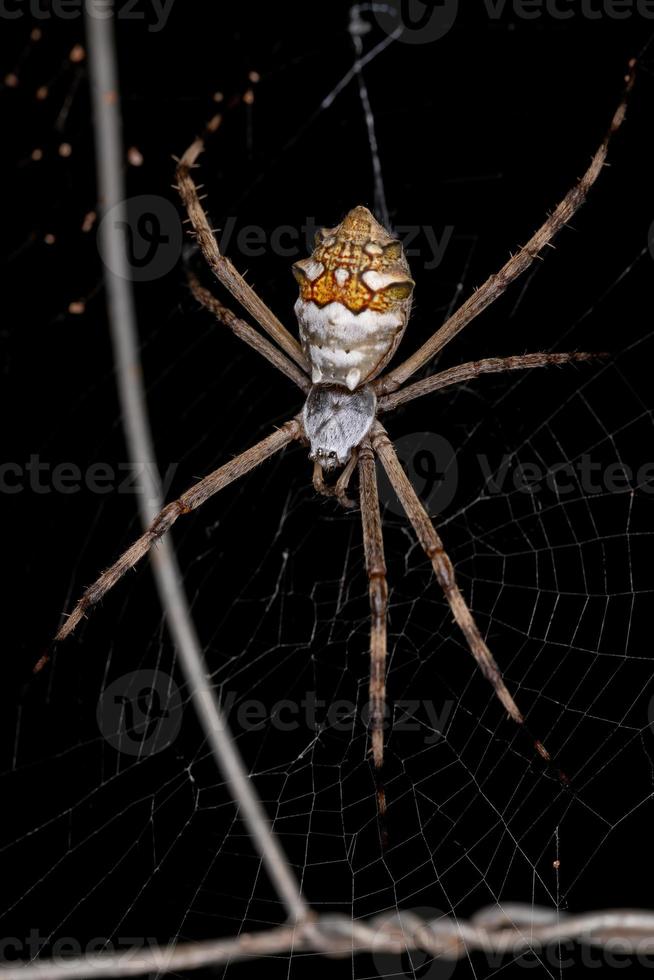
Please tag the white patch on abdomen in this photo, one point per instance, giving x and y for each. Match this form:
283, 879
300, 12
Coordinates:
344, 347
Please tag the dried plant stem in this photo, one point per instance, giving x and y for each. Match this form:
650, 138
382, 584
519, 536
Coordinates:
124, 335
509, 930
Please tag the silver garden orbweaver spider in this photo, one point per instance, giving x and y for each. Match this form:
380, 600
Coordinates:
353, 309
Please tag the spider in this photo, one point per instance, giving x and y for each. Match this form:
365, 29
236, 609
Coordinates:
352, 311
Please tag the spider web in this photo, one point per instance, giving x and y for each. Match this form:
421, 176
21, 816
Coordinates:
542, 483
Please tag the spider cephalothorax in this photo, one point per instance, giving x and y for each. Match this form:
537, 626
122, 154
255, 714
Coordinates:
353, 308
336, 421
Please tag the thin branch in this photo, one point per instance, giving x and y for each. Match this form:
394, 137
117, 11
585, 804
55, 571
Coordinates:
508, 930
124, 335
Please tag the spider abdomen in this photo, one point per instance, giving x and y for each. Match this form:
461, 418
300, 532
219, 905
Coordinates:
354, 303
346, 348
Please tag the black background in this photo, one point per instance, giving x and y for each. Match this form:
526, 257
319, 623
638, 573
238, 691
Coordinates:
483, 130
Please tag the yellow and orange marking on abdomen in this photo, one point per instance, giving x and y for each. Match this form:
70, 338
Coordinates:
355, 299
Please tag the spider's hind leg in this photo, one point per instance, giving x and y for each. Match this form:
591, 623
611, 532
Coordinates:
378, 593
432, 545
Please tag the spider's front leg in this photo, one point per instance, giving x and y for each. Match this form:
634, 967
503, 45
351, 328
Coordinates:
495, 285
189, 501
